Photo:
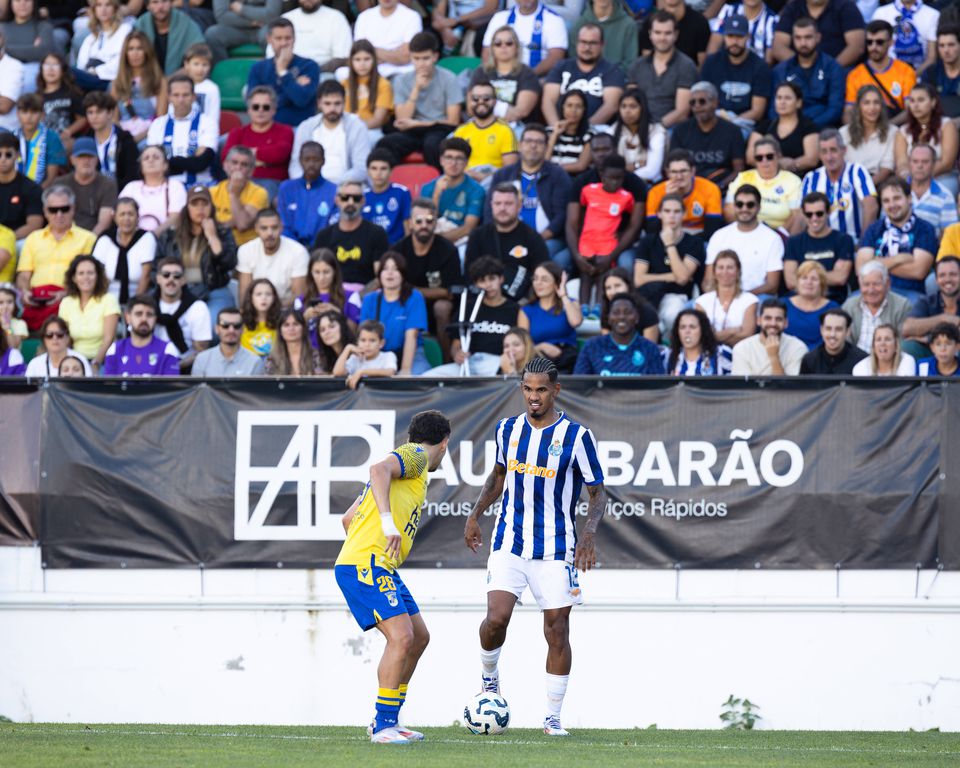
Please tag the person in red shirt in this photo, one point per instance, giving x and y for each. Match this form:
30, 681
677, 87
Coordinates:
271, 142
607, 229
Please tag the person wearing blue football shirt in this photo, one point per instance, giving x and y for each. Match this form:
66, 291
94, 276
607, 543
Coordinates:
944, 343
902, 241
308, 204
544, 459
822, 80
624, 351
294, 78
386, 204
459, 199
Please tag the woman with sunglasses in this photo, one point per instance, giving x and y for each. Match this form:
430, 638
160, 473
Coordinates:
369, 96
160, 199
779, 189
926, 124
272, 142
517, 87
797, 134
90, 309
871, 140
206, 249
55, 340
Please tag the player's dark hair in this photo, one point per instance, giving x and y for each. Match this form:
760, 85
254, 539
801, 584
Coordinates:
382, 155
541, 365
485, 266
430, 427
773, 303
836, 312
947, 330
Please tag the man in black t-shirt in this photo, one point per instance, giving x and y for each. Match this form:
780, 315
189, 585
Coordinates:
693, 30
433, 265
831, 249
717, 145
20, 207
358, 243
835, 356
517, 245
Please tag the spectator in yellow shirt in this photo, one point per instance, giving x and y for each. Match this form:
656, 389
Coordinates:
89, 309
8, 254
236, 199
492, 142
46, 255
779, 189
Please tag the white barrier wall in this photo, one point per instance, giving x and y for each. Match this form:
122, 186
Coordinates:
816, 650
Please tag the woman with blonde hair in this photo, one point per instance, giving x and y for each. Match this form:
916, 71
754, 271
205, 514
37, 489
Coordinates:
886, 356
140, 87
871, 141
809, 303
731, 310
518, 350
516, 85
98, 60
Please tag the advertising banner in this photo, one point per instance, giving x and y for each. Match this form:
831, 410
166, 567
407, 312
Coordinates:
705, 474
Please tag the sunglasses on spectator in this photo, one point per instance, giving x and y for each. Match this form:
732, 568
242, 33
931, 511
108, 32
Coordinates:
748, 204
59, 208
502, 43
54, 335
261, 107
231, 326
424, 220
814, 214
769, 156
351, 198
699, 102
8, 154
173, 275
879, 42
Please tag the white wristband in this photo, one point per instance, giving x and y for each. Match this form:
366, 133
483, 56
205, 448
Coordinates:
386, 522
500, 108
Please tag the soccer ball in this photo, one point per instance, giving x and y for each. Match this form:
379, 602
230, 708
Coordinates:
486, 714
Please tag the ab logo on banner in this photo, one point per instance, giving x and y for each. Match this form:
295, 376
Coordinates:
307, 463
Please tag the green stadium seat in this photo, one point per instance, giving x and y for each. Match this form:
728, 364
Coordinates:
247, 51
432, 351
230, 75
29, 349
458, 64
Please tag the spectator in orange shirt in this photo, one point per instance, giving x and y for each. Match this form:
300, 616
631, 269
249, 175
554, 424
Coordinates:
703, 209
894, 78
603, 238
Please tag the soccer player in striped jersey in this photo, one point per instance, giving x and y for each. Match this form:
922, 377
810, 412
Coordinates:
543, 460
381, 525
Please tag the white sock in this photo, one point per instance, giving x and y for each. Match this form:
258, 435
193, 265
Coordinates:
488, 661
556, 690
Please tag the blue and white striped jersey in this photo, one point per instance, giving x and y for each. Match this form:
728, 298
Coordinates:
846, 196
546, 470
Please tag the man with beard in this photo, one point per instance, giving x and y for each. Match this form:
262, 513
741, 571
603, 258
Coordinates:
227, 359
819, 76
279, 259
600, 81
942, 306
624, 351
433, 265
741, 77
357, 243
666, 74
307, 204
343, 137
141, 353
544, 190
171, 32
183, 320
517, 245
294, 78
894, 77
717, 146
492, 142
770, 352
322, 34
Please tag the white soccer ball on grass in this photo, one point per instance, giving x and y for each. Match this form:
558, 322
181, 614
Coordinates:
486, 714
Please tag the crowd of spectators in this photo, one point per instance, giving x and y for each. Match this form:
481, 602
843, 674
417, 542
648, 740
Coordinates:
696, 188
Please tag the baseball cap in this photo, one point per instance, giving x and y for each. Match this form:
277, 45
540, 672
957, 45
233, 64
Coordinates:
736, 25
84, 146
199, 191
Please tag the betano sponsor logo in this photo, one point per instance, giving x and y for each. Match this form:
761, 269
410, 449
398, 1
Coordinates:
530, 469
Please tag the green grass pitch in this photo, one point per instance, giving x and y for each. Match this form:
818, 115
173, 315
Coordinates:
173, 746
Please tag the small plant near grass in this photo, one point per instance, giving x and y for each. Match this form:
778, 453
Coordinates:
739, 714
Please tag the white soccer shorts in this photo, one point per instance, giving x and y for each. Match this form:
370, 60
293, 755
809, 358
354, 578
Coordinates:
553, 583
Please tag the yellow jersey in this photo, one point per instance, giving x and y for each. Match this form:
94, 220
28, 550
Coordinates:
779, 196
366, 544
487, 145
252, 194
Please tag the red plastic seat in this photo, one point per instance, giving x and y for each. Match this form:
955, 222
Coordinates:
229, 121
414, 177
414, 157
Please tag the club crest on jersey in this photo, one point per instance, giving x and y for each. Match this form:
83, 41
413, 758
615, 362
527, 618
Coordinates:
556, 448
153, 358
392, 599
697, 209
614, 209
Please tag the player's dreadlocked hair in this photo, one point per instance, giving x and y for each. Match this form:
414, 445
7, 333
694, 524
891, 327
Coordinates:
542, 365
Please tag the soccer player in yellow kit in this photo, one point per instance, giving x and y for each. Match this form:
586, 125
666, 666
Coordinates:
381, 525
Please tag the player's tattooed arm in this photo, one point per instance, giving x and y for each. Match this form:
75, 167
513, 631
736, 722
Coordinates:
586, 554
492, 488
